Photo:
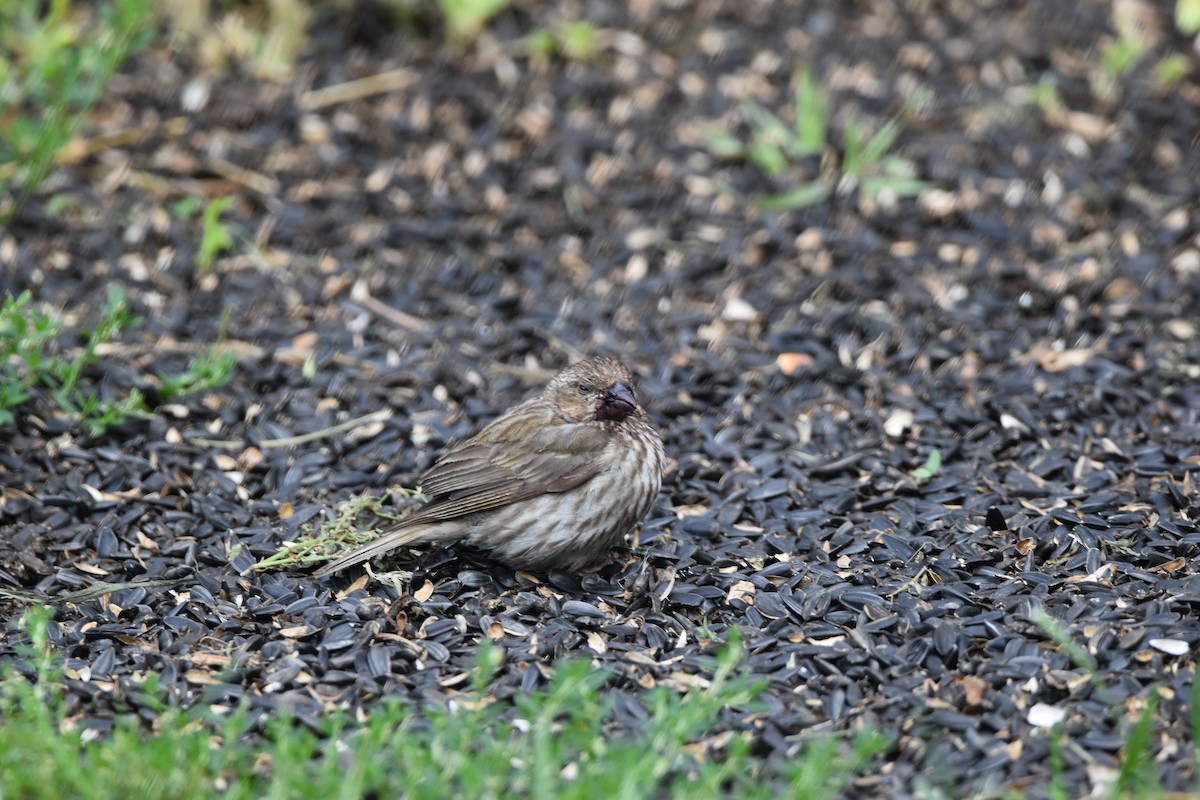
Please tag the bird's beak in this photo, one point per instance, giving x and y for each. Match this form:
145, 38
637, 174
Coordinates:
618, 402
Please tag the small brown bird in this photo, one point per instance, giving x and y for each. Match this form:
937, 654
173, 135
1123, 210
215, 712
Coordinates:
553, 483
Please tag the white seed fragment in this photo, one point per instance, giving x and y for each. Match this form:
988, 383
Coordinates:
1043, 715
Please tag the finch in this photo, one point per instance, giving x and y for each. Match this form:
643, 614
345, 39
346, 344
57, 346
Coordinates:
553, 483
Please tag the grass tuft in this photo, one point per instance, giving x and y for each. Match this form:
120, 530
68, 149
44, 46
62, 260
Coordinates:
558, 742
779, 148
31, 358
55, 60
1137, 775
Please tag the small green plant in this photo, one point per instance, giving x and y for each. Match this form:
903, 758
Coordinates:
1044, 95
209, 370
34, 623
774, 144
1187, 17
214, 235
83, 402
1136, 776
29, 359
23, 335
1171, 69
1121, 56
1058, 782
777, 148
575, 41
542, 44
25, 362
466, 19
1137, 39
62, 206
1062, 637
931, 467
868, 165
1133, 41
561, 742
185, 207
55, 61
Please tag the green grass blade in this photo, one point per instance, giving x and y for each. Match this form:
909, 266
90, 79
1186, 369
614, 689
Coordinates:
812, 116
808, 194
1137, 774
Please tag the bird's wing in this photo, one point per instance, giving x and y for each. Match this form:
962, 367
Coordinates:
487, 472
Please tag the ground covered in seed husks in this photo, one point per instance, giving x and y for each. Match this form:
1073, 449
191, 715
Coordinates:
918, 445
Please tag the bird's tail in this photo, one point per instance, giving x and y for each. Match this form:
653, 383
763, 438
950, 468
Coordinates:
390, 540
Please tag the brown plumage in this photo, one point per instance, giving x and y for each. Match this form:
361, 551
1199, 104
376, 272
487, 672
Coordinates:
553, 483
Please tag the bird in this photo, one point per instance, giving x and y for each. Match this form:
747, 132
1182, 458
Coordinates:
552, 483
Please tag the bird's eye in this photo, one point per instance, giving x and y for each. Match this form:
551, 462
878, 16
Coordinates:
583, 388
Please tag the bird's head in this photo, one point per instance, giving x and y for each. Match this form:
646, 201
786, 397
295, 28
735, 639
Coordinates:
595, 389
